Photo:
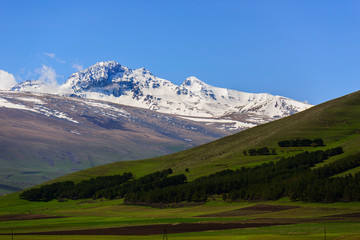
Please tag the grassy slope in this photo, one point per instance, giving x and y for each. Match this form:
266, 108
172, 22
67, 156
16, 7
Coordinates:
335, 121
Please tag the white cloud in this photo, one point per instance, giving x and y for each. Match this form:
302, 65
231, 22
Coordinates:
49, 77
46, 82
50, 55
53, 56
78, 67
7, 80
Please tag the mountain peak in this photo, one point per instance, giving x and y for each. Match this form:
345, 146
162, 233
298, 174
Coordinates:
105, 64
97, 75
29, 86
192, 81
104, 67
143, 71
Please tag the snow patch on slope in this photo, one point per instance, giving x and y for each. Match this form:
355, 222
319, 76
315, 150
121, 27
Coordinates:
36, 107
232, 124
6, 104
119, 111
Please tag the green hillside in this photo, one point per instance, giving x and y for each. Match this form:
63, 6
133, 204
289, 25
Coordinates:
336, 122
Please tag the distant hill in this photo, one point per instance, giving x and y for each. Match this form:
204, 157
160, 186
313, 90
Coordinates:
44, 136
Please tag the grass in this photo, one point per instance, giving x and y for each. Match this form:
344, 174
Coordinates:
87, 214
82, 214
334, 231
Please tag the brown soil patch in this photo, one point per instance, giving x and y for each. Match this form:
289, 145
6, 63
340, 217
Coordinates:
158, 229
293, 220
155, 229
347, 215
252, 210
25, 217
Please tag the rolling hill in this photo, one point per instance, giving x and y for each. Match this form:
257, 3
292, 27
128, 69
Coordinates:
336, 122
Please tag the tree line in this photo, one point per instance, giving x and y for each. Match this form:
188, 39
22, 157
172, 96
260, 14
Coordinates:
103, 187
260, 151
292, 177
268, 181
301, 143
68, 189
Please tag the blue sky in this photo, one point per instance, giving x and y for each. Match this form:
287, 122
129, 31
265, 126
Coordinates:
306, 50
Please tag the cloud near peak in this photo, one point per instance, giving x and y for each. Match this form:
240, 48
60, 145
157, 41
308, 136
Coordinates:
7, 80
48, 76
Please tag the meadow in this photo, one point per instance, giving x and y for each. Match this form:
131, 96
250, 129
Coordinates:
303, 220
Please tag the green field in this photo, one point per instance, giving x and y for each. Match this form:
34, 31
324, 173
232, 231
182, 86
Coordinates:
309, 219
337, 122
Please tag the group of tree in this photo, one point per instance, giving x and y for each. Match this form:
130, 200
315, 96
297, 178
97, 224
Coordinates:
157, 180
268, 181
301, 143
103, 187
84, 189
260, 151
293, 177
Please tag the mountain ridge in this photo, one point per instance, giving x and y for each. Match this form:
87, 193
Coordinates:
113, 82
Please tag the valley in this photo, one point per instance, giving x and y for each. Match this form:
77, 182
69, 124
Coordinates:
179, 120
334, 122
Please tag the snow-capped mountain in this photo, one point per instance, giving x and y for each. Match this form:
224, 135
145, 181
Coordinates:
29, 86
109, 112
193, 99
